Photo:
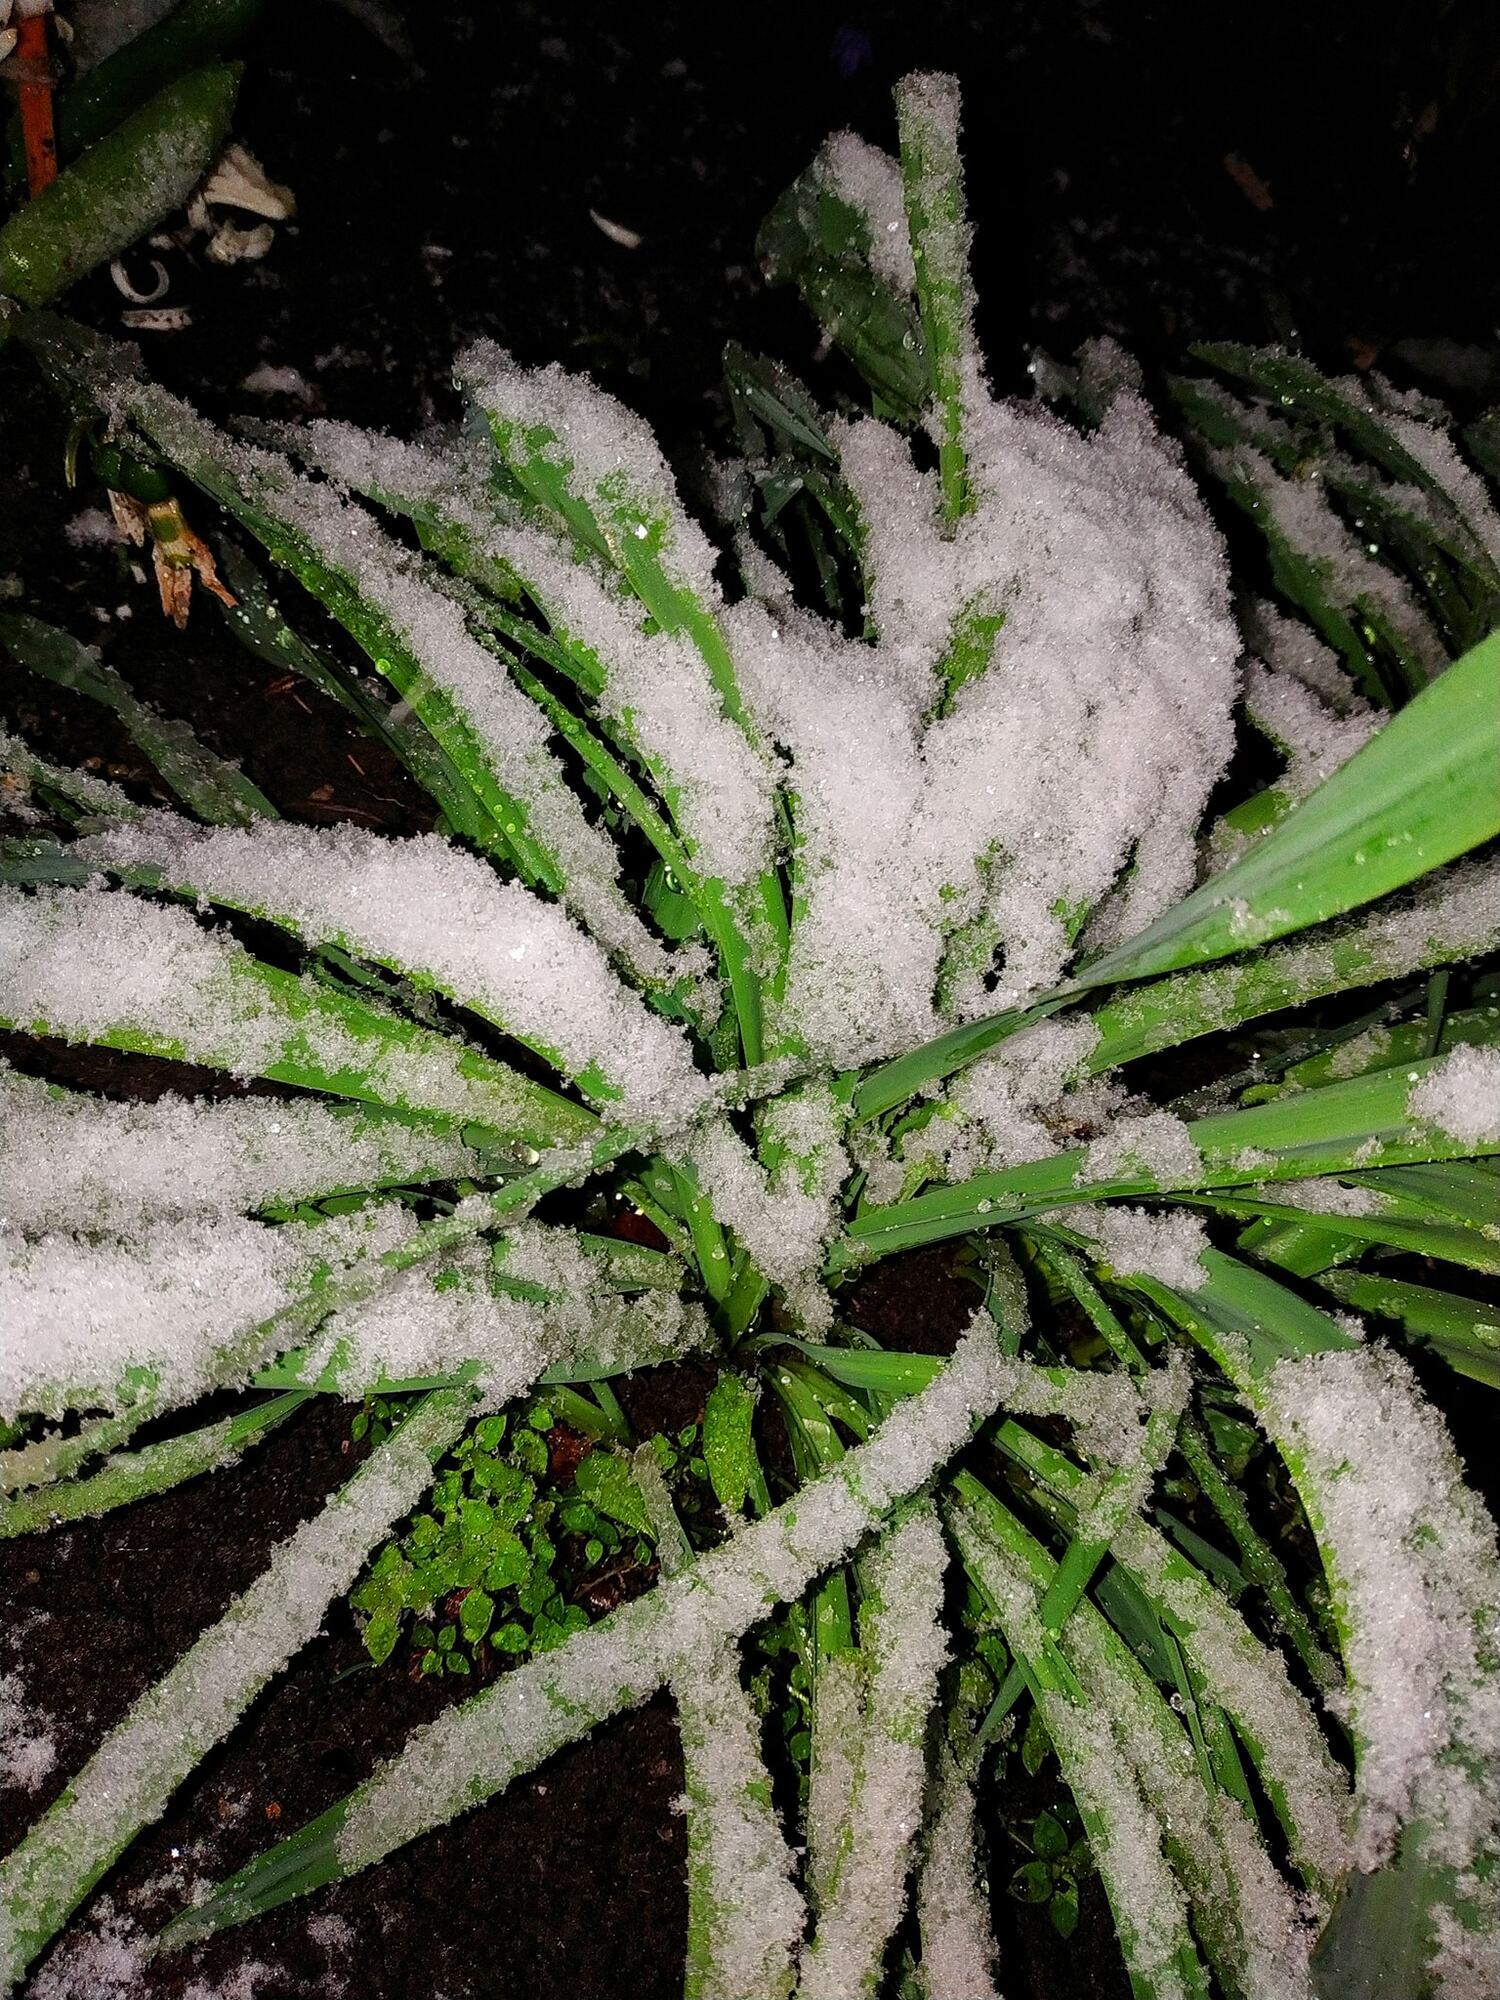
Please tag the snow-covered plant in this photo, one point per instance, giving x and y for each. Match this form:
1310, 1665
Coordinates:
815, 936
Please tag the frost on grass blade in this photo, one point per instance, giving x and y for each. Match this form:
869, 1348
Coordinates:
953, 1913
460, 1316
128, 1781
415, 633
1398, 1528
1454, 914
902, 1648
747, 1916
438, 914
1125, 1832
651, 684
72, 1161
101, 966
867, 180
474, 1751
95, 1321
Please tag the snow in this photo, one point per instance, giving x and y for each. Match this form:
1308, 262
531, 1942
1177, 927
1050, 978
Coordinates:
1111, 680
1142, 1242
429, 909
1411, 1558
785, 1216
1151, 1145
1299, 510
76, 1162
1315, 739
91, 1321
608, 454
953, 1916
101, 965
27, 1751
746, 1916
903, 1647
868, 180
433, 1322
397, 596
1460, 1095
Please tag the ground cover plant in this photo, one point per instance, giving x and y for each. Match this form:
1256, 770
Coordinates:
872, 889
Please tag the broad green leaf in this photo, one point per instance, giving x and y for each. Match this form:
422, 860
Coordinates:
1345, 1128
1465, 1332
607, 1483
1418, 794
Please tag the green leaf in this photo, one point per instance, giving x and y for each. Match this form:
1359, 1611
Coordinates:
381, 1634
728, 1444
1032, 1882
475, 1614
1418, 794
215, 789
1048, 1839
607, 1483
1063, 1909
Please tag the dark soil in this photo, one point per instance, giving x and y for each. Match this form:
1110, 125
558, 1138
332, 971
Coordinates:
1154, 171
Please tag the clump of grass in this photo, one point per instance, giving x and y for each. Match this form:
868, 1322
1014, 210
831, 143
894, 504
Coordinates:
796, 939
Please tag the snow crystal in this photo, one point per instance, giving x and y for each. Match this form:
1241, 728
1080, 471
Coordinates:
784, 1217
75, 1162
1139, 1242
1012, 1094
1251, 1683
432, 910
1330, 1197
747, 1914
27, 1751
868, 180
1151, 1145
1454, 913
1293, 651
1316, 740
92, 964
1460, 1095
1124, 1830
1299, 510
82, 1318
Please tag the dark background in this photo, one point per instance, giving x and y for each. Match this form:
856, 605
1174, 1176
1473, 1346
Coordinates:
1320, 174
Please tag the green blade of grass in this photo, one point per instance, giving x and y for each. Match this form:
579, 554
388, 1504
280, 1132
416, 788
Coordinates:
1418, 794
1459, 918
1360, 1124
129, 1780
212, 787
322, 1039
155, 1468
1464, 1332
